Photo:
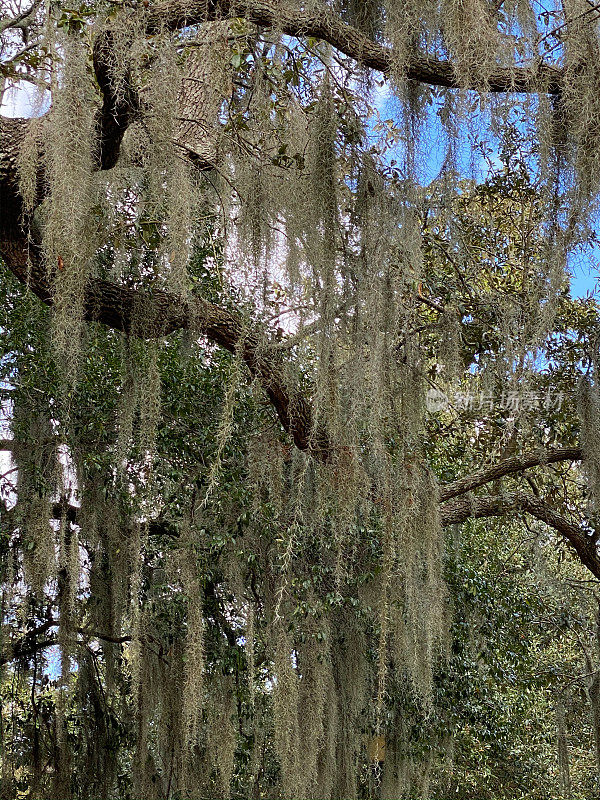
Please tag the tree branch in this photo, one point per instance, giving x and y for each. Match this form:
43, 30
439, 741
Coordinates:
119, 107
324, 24
458, 511
22, 20
508, 466
150, 315
25, 647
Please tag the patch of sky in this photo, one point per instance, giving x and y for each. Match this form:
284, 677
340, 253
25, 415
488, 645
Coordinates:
476, 155
24, 100
584, 269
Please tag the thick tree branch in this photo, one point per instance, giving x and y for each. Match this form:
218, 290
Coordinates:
460, 510
119, 107
325, 24
150, 315
508, 466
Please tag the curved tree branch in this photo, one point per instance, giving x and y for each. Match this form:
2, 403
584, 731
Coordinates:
154, 314
119, 108
459, 511
508, 466
325, 24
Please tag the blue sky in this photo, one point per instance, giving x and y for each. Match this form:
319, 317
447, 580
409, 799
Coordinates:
585, 272
584, 264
